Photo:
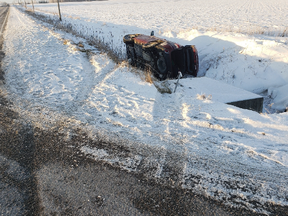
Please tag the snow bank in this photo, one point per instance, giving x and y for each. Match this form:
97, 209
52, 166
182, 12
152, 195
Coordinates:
280, 97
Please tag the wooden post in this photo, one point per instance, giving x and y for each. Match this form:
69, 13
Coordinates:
59, 11
32, 5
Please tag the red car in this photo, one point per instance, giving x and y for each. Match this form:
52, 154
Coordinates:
163, 57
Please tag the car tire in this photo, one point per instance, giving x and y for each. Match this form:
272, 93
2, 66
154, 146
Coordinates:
129, 38
130, 54
162, 67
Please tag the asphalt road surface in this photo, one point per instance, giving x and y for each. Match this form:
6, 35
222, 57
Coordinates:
43, 173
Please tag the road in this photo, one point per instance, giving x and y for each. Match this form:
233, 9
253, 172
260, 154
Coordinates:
44, 173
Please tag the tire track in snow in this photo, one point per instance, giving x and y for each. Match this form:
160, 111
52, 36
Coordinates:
66, 84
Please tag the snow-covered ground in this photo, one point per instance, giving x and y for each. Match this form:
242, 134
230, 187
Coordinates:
225, 33
237, 156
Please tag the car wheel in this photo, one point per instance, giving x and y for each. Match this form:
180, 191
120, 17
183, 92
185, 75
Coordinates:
130, 54
129, 38
162, 67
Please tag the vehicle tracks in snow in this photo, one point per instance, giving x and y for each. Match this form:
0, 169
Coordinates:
57, 83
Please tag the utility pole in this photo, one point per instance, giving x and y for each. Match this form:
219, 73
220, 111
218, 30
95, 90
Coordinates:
59, 11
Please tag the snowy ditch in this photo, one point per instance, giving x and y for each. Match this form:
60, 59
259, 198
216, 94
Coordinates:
235, 156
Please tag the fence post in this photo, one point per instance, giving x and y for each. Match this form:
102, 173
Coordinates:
59, 11
32, 5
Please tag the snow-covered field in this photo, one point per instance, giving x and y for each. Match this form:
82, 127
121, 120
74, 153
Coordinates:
237, 156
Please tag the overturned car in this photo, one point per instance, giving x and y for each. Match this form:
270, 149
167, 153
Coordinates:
164, 58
